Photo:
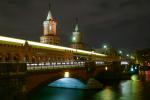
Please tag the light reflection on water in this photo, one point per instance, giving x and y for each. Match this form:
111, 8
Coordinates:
125, 90
132, 90
68, 83
129, 90
106, 94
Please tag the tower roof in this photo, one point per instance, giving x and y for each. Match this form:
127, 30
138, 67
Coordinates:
76, 26
49, 16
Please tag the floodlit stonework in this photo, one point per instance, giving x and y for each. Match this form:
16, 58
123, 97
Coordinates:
50, 35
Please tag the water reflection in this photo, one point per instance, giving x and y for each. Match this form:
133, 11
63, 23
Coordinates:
106, 94
68, 83
49, 93
147, 75
133, 89
128, 90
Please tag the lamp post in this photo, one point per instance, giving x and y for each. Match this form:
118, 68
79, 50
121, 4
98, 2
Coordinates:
120, 54
105, 48
128, 55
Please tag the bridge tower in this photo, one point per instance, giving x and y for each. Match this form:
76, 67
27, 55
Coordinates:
77, 38
49, 30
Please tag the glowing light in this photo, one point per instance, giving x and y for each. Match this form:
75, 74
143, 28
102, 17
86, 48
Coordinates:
131, 69
92, 51
134, 77
74, 39
106, 68
128, 55
48, 46
132, 57
68, 83
124, 63
106, 94
66, 74
71, 63
63, 63
58, 63
120, 52
105, 46
11, 40
50, 27
49, 16
99, 62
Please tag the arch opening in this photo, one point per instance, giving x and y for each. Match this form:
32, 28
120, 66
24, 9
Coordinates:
68, 83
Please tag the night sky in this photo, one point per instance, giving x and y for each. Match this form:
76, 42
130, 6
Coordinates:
123, 24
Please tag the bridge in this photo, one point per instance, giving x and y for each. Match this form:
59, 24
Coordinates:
28, 64
19, 50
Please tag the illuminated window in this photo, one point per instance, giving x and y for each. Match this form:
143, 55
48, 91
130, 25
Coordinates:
66, 74
50, 27
106, 68
74, 39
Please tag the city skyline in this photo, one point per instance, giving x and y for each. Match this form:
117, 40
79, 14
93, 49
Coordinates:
122, 24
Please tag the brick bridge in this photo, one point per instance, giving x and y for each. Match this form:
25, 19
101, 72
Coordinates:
25, 65
22, 77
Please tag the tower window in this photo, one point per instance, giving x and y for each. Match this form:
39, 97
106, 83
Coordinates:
74, 38
50, 27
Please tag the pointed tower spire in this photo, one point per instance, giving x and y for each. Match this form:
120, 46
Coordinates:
77, 37
76, 26
49, 16
49, 30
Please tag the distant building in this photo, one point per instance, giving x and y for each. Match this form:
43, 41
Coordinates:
108, 51
49, 34
143, 57
77, 42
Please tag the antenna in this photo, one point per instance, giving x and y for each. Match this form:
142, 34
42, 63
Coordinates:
49, 6
76, 20
76, 25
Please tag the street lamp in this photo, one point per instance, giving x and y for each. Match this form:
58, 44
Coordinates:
127, 55
132, 57
120, 52
105, 46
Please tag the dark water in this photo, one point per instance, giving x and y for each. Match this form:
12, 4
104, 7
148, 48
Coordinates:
125, 90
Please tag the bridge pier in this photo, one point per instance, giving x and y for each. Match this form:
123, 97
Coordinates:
92, 83
12, 80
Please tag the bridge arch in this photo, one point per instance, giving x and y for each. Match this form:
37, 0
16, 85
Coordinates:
61, 75
44, 78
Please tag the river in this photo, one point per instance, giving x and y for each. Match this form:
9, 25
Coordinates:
133, 89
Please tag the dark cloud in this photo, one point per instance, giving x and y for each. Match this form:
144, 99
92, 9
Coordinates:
104, 5
121, 23
130, 3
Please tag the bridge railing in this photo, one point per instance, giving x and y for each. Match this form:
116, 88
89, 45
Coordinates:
58, 65
49, 66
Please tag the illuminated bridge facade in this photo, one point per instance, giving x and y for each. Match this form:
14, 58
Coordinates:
32, 63
18, 50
